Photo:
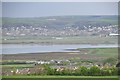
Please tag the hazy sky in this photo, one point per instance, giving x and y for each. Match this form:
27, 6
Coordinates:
60, 0
38, 9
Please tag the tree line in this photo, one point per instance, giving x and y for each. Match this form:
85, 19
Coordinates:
81, 71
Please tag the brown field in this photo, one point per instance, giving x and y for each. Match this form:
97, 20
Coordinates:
50, 56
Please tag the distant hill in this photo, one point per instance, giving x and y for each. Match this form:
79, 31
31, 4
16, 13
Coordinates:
59, 22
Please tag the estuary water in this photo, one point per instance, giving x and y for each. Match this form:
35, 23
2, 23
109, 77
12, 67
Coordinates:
37, 48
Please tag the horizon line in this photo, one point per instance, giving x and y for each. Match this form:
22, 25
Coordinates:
63, 15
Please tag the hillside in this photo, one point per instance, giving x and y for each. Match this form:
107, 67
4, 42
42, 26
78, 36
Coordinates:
59, 22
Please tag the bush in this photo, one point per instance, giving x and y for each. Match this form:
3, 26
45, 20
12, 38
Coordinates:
94, 71
81, 71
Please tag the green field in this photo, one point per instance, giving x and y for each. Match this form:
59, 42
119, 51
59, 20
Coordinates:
63, 40
103, 52
60, 78
18, 65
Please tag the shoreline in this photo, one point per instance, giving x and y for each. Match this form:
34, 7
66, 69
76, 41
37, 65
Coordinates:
85, 54
56, 43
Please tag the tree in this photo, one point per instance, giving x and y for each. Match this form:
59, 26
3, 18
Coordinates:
49, 71
83, 71
94, 71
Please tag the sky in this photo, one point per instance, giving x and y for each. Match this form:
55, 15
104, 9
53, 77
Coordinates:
60, 0
40, 9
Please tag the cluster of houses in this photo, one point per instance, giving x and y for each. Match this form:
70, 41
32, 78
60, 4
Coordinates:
66, 31
68, 63
58, 62
58, 65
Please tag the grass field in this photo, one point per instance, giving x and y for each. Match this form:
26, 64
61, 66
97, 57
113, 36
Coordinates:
60, 78
18, 65
62, 40
106, 52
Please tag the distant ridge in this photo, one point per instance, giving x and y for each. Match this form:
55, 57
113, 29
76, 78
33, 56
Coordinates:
58, 22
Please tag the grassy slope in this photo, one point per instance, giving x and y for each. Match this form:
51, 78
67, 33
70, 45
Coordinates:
106, 52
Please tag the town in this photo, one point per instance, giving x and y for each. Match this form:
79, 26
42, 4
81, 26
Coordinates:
66, 31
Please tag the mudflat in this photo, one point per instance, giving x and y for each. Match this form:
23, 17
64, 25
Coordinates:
49, 56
